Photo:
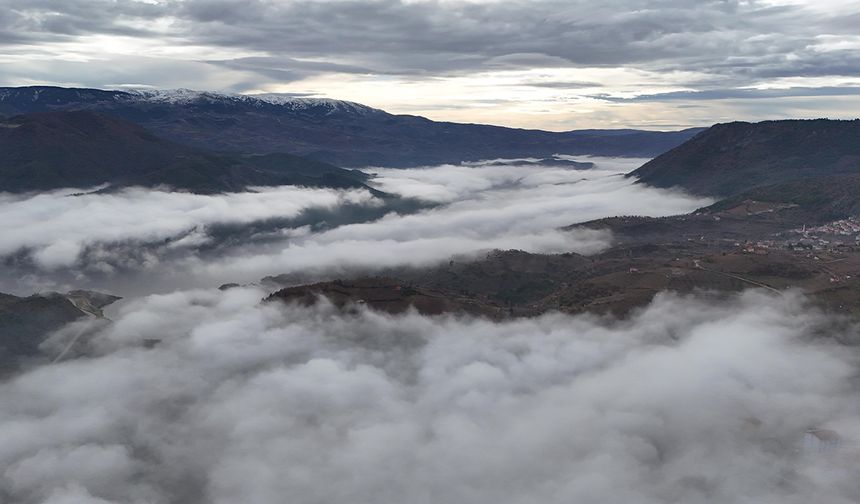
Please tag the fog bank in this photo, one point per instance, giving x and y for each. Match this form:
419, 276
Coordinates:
139, 241
690, 400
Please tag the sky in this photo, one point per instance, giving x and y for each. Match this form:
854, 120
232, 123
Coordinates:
549, 64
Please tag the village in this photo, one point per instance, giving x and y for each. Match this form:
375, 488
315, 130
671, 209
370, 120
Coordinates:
841, 234
827, 244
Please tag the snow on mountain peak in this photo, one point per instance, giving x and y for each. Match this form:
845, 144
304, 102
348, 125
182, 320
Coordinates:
180, 95
292, 102
303, 102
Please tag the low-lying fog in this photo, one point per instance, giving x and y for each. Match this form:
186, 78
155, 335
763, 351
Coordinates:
212, 397
138, 241
201, 396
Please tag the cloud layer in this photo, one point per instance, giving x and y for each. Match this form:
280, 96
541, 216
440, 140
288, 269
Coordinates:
179, 240
546, 62
698, 401
397, 37
58, 225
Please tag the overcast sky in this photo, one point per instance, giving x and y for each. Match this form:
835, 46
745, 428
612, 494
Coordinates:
553, 64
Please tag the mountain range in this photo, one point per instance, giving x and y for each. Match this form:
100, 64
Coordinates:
339, 132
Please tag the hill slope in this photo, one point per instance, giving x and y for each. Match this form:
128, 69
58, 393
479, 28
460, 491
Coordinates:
821, 198
339, 132
52, 150
26, 321
728, 159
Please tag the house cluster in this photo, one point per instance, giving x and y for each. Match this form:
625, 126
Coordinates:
844, 227
758, 248
834, 235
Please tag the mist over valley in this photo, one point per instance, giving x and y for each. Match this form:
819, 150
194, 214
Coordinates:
400, 251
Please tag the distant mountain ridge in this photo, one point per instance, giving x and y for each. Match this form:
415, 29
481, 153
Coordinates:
339, 132
728, 159
297, 103
46, 97
81, 149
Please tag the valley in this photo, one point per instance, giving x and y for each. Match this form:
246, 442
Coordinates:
793, 235
429, 251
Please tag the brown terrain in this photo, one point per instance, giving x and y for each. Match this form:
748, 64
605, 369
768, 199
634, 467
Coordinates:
386, 294
753, 244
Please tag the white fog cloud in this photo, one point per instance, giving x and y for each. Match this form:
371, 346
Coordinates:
487, 207
478, 207
57, 225
688, 401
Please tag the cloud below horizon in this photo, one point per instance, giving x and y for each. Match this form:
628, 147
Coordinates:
176, 240
691, 399
57, 225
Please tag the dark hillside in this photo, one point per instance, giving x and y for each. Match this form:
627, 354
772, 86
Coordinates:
50, 150
728, 159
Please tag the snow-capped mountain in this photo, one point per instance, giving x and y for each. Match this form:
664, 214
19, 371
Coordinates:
340, 132
292, 102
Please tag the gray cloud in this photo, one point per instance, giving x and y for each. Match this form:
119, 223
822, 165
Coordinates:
55, 20
743, 94
734, 40
563, 84
288, 69
428, 37
691, 400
